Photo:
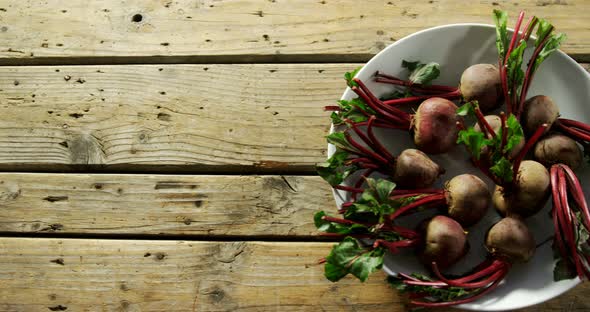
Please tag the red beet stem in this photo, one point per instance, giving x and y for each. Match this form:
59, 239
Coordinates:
434, 199
343, 221
332, 108
462, 301
557, 207
383, 124
485, 271
494, 275
418, 282
377, 143
405, 232
574, 133
419, 191
566, 217
403, 115
576, 124
514, 36
529, 144
365, 151
361, 180
483, 123
322, 260
528, 29
391, 118
357, 160
393, 247
414, 99
528, 77
578, 194
379, 77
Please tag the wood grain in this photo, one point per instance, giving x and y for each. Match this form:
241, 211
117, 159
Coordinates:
254, 206
131, 31
194, 118
124, 275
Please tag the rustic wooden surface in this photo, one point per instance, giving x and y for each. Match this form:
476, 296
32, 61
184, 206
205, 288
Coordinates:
133, 275
167, 117
189, 180
162, 204
37, 31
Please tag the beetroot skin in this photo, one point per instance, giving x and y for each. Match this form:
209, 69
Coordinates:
435, 126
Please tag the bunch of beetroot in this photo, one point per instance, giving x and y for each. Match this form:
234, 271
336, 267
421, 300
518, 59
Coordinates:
513, 148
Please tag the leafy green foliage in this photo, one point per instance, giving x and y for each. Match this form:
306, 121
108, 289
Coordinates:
352, 110
515, 134
422, 73
339, 140
375, 203
437, 294
544, 28
473, 140
333, 227
350, 257
334, 170
348, 76
467, 109
515, 74
501, 20
503, 170
563, 270
550, 46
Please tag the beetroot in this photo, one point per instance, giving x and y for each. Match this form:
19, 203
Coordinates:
556, 148
433, 125
466, 198
529, 194
507, 242
481, 83
538, 110
445, 242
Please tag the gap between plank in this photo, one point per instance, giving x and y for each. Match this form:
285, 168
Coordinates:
174, 237
188, 59
205, 59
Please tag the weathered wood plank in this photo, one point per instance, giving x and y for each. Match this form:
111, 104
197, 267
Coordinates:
227, 118
262, 206
114, 31
122, 275
106, 275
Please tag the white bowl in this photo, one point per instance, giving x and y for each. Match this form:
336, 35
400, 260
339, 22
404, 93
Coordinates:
455, 47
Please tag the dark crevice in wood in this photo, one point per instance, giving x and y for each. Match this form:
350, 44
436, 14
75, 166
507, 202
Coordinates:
172, 237
189, 59
303, 170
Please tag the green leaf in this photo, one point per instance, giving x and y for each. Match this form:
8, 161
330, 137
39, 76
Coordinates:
467, 109
352, 110
515, 134
333, 227
339, 140
514, 70
544, 28
411, 66
501, 20
563, 270
367, 264
374, 202
503, 170
350, 75
436, 294
473, 140
350, 257
333, 272
550, 46
334, 170
425, 73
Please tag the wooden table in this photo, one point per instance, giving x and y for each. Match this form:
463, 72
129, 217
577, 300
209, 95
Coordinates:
159, 155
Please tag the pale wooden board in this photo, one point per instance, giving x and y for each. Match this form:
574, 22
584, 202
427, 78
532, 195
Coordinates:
167, 117
34, 31
113, 275
162, 204
123, 275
